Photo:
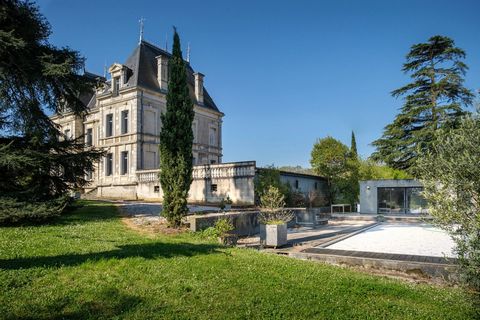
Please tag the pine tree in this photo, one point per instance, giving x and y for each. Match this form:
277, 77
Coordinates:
353, 147
37, 167
176, 139
435, 99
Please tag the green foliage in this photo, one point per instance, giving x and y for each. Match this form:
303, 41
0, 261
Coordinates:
450, 173
176, 139
13, 211
333, 160
269, 177
370, 170
223, 226
35, 165
435, 99
272, 207
88, 265
353, 147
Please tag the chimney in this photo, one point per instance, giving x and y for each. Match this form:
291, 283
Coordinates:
199, 87
162, 73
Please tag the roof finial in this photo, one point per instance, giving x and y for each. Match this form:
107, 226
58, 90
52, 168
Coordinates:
188, 53
166, 42
142, 20
105, 69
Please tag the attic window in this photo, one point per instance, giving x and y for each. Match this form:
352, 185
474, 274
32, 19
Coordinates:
116, 85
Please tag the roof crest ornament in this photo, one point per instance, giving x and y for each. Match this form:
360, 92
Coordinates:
141, 21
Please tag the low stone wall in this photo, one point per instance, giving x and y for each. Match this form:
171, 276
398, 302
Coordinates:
246, 222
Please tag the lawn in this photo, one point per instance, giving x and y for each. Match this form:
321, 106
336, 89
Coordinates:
88, 264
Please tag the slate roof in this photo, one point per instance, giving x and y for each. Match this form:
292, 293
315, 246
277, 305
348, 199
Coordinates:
142, 65
88, 97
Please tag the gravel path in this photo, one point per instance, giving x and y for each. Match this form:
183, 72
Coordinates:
401, 238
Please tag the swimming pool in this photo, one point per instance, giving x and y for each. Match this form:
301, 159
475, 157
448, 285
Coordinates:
401, 238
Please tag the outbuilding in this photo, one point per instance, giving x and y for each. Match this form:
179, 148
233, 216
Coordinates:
392, 197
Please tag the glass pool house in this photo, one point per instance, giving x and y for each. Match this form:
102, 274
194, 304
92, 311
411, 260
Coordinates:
392, 197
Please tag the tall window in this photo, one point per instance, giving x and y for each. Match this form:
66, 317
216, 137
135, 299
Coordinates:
109, 125
124, 121
116, 85
124, 167
213, 136
89, 137
109, 164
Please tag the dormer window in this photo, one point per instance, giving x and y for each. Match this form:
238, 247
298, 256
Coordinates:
116, 85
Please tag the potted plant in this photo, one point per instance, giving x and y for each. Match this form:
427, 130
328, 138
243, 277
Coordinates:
223, 228
273, 218
228, 203
222, 205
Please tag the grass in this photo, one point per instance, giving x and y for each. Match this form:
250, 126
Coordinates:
88, 264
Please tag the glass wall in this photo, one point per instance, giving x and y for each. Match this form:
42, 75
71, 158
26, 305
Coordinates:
400, 200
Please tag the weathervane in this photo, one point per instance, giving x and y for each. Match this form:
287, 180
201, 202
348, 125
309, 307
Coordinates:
105, 69
142, 20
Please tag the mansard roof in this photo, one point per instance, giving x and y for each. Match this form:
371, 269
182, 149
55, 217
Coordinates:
142, 71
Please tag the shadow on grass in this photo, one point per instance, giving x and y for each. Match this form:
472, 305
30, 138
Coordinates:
106, 303
146, 251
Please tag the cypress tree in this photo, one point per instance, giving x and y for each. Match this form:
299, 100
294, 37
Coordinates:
435, 99
353, 147
176, 139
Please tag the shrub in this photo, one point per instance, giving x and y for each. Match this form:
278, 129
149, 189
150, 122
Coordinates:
13, 211
223, 226
272, 204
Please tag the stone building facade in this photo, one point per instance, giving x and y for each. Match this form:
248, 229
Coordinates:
124, 119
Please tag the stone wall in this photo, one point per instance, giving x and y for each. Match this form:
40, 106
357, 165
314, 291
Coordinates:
246, 222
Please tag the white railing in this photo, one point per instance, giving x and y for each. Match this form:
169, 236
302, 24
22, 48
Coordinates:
147, 175
218, 171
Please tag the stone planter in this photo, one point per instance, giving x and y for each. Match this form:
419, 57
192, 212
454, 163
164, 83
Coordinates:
273, 235
228, 240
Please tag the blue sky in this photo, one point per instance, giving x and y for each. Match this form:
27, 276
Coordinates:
284, 72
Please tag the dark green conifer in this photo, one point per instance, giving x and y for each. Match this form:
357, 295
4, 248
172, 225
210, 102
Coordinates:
37, 79
176, 139
353, 147
435, 99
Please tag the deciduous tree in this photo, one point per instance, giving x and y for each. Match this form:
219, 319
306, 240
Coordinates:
450, 173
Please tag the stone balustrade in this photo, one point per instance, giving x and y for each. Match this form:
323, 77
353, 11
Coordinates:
216, 171
147, 175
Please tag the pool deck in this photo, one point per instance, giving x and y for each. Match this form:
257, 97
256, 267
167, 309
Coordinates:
312, 244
